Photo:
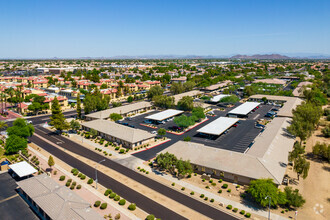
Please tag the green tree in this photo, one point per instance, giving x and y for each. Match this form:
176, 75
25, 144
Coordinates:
155, 91
161, 132
3, 125
183, 121
116, 104
74, 125
130, 99
293, 197
186, 103
51, 161
322, 150
93, 133
301, 167
78, 106
198, 112
298, 150
57, 119
232, 99
176, 88
115, 116
188, 86
187, 138
103, 86
326, 131
261, 188
183, 167
21, 128
15, 143
163, 101
166, 161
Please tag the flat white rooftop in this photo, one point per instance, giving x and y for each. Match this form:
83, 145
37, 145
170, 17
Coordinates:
22, 169
217, 98
218, 126
160, 116
244, 109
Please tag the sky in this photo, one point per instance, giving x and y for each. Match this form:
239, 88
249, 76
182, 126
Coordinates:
95, 28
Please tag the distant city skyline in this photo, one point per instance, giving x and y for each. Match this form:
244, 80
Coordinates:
75, 29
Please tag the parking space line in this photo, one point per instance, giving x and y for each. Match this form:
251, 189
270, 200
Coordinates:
6, 199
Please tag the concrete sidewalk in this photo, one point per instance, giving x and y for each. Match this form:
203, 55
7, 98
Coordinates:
217, 198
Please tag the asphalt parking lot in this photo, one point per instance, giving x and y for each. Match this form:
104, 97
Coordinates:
12, 206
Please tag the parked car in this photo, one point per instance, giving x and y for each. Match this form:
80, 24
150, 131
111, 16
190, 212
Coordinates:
129, 118
235, 125
147, 121
132, 126
274, 110
153, 132
125, 123
175, 128
118, 122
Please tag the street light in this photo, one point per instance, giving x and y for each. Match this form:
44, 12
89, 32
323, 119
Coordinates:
270, 199
96, 171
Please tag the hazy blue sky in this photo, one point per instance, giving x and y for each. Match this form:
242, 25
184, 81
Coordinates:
67, 28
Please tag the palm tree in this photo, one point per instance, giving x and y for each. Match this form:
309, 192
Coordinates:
3, 124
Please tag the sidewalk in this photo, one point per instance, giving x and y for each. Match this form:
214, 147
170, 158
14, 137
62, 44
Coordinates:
216, 197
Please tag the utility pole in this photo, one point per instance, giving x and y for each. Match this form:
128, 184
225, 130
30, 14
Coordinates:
270, 199
96, 171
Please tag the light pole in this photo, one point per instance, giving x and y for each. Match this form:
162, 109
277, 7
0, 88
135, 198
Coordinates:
270, 199
96, 171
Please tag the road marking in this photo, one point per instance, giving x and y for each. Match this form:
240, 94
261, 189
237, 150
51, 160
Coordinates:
11, 197
62, 142
256, 116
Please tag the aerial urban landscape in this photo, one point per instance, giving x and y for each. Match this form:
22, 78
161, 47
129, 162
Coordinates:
164, 110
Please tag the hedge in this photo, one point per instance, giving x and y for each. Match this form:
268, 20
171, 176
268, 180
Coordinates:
132, 207
90, 181
229, 207
104, 205
62, 178
122, 202
117, 198
112, 195
97, 203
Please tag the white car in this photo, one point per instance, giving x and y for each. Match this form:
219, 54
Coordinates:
30, 122
153, 132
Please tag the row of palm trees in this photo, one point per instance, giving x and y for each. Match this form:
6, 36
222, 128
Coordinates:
7, 96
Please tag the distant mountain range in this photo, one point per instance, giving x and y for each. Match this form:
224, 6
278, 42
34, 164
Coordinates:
262, 57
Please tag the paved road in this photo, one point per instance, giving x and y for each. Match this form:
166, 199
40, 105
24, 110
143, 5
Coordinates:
141, 201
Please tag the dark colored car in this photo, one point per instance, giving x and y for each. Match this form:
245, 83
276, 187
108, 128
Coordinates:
176, 128
125, 123
132, 126
129, 118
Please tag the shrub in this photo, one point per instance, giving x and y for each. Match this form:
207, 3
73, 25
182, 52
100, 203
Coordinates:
122, 202
83, 177
107, 192
67, 184
242, 212
229, 207
90, 181
220, 181
187, 138
206, 198
192, 193
75, 173
72, 187
282, 211
74, 170
189, 176
104, 205
238, 186
69, 180
213, 184
147, 172
173, 184
203, 180
202, 195
55, 172
132, 207
117, 216
97, 203
212, 200
183, 188
122, 151
62, 178
229, 190
225, 186
235, 209
74, 183
117, 148
117, 198
195, 174
150, 217
220, 191
207, 187
78, 187
248, 215
79, 175
112, 195
211, 181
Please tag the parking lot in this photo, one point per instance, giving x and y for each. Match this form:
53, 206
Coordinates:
12, 206
237, 139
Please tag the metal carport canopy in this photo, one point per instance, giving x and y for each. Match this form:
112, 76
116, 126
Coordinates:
22, 169
244, 109
160, 116
218, 126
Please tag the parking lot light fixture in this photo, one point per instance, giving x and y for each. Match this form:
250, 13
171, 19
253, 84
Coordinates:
96, 171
